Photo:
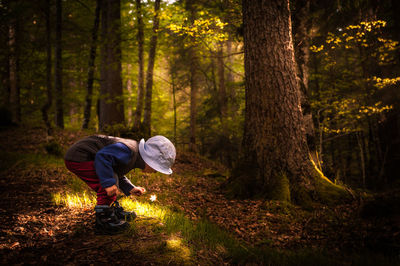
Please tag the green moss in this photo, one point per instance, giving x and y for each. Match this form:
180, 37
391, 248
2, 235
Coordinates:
302, 197
281, 188
328, 192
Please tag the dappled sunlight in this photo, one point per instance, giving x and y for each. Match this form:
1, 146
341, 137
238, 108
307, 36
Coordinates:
74, 200
144, 208
176, 244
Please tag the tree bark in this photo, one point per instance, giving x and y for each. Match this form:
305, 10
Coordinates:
221, 85
140, 93
111, 108
13, 32
275, 161
150, 69
90, 75
58, 67
230, 80
301, 33
49, 102
130, 93
193, 70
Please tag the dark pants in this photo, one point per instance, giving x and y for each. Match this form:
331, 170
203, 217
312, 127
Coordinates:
87, 172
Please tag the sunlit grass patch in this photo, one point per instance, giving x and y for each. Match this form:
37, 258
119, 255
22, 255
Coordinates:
175, 244
74, 200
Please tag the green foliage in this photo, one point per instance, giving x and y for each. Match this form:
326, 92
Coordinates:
206, 28
347, 96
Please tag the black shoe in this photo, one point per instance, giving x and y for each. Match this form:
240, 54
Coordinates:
122, 214
107, 222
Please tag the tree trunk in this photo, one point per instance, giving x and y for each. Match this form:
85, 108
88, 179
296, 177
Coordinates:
111, 101
49, 102
150, 69
140, 93
229, 76
275, 161
58, 67
193, 82
301, 33
174, 103
13, 32
360, 141
130, 93
92, 58
223, 108
221, 85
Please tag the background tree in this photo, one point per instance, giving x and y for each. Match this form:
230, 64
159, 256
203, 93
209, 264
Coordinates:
58, 69
49, 87
140, 92
14, 63
150, 69
111, 101
91, 67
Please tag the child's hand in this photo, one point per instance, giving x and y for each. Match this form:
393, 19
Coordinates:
138, 191
111, 191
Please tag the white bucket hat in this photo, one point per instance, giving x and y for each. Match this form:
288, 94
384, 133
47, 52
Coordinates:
159, 153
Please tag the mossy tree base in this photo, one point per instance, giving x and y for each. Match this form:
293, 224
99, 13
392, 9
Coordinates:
303, 190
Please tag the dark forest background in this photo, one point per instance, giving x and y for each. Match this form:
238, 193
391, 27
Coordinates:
141, 68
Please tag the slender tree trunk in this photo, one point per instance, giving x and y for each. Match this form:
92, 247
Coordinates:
130, 93
111, 101
101, 102
275, 161
58, 67
90, 74
229, 75
49, 102
221, 85
174, 104
150, 69
223, 108
13, 33
193, 69
140, 92
360, 141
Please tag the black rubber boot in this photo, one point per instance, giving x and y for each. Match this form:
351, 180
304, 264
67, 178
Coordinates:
107, 221
122, 214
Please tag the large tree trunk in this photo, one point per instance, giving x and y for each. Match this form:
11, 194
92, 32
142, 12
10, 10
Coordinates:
92, 58
149, 75
111, 101
58, 67
13, 33
275, 161
140, 92
49, 102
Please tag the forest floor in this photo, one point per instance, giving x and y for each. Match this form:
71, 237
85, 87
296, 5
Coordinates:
37, 229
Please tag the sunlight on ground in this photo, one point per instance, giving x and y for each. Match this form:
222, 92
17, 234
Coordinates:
74, 200
84, 200
176, 250
175, 244
143, 208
